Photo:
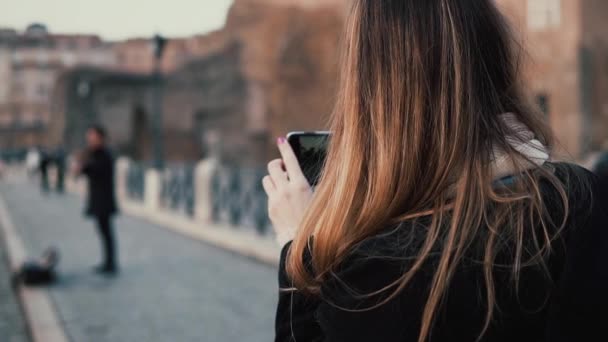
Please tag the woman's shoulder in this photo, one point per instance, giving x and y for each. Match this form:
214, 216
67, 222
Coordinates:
576, 179
397, 246
585, 192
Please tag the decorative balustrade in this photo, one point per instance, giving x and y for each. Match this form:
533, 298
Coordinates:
177, 189
221, 194
135, 180
238, 198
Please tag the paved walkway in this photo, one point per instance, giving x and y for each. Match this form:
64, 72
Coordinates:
12, 323
171, 288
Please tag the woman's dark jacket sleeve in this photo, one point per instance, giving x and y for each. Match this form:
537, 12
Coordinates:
343, 316
295, 320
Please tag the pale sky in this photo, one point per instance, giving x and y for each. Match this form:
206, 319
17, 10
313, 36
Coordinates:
117, 19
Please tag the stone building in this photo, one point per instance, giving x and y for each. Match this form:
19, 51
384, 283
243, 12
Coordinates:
30, 62
289, 59
567, 66
135, 55
202, 102
121, 101
271, 69
206, 103
290, 54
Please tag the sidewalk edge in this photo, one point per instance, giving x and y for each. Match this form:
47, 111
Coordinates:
41, 316
261, 250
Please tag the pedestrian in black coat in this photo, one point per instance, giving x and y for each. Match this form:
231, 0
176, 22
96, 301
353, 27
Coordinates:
59, 157
98, 167
45, 161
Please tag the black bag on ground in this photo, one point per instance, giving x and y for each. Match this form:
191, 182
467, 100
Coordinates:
39, 271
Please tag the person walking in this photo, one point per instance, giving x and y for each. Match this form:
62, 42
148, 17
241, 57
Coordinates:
45, 161
98, 166
32, 161
60, 162
439, 215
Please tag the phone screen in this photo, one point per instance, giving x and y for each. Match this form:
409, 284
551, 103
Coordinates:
311, 150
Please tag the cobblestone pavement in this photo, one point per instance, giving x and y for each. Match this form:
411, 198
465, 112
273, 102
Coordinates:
12, 323
170, 289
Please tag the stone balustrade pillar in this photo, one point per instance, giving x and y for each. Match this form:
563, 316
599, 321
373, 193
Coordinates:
121, 168
203, 200
152, 189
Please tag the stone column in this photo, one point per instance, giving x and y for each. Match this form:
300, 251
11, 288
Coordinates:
203, 201
121, 168
152, 190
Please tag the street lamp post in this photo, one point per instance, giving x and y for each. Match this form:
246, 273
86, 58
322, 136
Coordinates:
86, 117
159, 43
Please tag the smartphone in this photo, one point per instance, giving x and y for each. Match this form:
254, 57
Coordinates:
310, 149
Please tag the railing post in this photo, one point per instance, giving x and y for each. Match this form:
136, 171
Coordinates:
152, 189
121, 168
203, 203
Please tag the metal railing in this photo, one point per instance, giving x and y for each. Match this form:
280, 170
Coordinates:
177, 189
136, 181
239, 198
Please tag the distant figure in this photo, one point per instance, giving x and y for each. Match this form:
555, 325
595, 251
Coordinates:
32, 161
60, 162
98, 166
45, 161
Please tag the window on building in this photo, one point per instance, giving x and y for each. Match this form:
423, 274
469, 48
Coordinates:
42, 57
68, 59
18, 89
72, 44
112, 98
42, 90
542, 100
17, 57
26, 118
544, 14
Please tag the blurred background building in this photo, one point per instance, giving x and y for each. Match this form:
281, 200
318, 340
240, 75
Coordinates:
272, 68
30, 62
566, 66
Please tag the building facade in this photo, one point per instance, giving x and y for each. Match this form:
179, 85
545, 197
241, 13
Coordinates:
202, 102
118, 100
30, 63
566, 66
135, 55
270, 70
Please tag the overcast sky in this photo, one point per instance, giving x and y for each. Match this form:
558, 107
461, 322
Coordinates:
117, 19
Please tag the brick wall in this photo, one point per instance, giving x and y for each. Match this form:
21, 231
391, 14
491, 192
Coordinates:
568, 65
595, 42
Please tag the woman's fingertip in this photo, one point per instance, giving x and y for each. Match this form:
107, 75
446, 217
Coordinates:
281, 140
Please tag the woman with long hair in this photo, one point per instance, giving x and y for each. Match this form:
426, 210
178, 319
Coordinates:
439, 215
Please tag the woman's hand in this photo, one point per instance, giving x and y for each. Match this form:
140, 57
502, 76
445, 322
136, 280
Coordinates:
289, 193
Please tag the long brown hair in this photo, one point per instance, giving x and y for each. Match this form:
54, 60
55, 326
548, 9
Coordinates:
414, 129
